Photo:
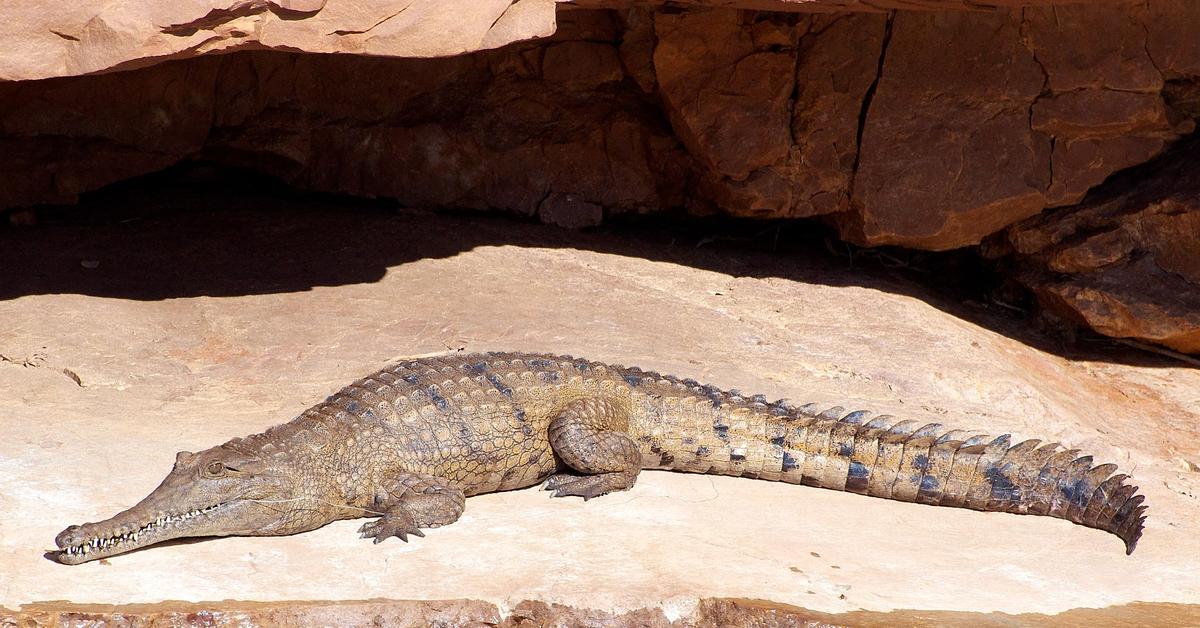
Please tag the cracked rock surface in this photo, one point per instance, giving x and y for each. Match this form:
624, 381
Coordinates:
925, 129
45, 40
1126, 261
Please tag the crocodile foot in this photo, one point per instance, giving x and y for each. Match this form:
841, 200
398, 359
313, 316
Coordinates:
392, 524
588, 486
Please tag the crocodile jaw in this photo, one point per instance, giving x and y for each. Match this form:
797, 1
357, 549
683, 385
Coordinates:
128, 531
238, 495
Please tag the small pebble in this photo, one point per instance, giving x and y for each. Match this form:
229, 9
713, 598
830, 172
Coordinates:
90, 264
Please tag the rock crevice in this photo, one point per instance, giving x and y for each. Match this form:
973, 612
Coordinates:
866, 102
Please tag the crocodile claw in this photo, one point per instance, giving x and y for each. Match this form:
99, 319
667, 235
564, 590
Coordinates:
397, 525
558, 480
587, 486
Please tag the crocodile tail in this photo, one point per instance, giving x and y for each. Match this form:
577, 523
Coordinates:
930, 464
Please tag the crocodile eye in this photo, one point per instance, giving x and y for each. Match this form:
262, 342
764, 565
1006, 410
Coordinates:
215, 469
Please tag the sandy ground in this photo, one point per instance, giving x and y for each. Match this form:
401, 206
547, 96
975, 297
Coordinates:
186, 330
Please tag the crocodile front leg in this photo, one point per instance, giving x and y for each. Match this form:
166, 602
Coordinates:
590, 436
413, 501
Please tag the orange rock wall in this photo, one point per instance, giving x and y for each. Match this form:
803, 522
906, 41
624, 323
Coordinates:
1126, 262
922, 129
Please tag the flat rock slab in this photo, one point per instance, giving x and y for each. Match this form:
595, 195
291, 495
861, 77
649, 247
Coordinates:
127, 342
527, 614
50, 40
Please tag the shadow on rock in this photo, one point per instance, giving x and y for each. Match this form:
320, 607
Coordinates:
194, 230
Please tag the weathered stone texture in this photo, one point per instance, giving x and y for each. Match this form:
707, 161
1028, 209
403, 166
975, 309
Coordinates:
1016, 112
843, 6
939, 138
922, 129
73, 38
1103, 106
538, 614
836, 67
727, 96
59, 139
87, 36
1126, 262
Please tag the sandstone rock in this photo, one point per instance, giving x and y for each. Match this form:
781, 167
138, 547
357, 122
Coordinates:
1094, 107
714, 612
1080, 164
94, 36
230, 613
580, 65
301, 6
1125, 263
1115, 57
838, 62
57, 140
196, 329
1170, 36
964, 155
637, 47
807, 170
770, 110
483, 132
768, 144
535, 614
727, 95
1117, 304
1104, 105
765, 192
1087, 113
839, 6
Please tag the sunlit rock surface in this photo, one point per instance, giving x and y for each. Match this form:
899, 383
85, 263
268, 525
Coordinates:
126, 342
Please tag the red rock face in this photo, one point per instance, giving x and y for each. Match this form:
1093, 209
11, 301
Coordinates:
61, 137
965, 155
929, 130
1125, 262
922, 129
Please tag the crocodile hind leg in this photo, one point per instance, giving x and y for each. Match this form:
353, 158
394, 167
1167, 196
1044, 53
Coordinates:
413, 501
589, 436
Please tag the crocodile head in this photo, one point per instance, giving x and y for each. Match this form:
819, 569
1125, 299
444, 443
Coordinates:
221, 491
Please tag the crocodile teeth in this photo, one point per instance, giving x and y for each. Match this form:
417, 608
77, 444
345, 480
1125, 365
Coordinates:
121, 536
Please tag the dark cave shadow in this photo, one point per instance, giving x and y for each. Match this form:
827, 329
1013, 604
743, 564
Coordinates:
197, 230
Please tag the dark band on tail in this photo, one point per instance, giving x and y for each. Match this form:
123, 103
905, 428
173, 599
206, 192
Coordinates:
929, 464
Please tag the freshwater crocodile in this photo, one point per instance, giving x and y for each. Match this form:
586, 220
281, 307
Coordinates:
409, 443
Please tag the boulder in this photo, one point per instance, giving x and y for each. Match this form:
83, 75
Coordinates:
1126, 261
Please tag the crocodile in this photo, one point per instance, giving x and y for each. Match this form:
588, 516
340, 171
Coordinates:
407, 444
